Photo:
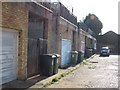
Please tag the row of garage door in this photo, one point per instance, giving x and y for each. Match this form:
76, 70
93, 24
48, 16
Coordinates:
8, 54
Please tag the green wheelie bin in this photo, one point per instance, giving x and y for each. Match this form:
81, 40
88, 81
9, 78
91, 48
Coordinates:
80, 56
74, 57
56, 64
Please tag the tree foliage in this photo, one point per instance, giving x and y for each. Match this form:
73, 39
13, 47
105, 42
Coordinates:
93, 22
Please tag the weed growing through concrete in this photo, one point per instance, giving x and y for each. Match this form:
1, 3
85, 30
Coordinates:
85, 62
92, 67
55, 79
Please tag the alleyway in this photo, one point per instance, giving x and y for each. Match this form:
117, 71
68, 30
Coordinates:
101, 72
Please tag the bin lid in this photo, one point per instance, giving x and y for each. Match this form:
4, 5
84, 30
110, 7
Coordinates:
74, 52
81, 52
50, 55
57, 55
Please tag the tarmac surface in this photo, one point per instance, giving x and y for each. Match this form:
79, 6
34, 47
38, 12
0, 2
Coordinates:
95, 72
99, 72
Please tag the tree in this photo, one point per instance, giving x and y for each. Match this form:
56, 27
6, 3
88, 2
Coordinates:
93, 22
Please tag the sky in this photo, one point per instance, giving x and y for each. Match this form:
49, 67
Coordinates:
105, 10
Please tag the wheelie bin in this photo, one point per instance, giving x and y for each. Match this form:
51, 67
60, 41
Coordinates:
80, 56
74, 57
55, 65
46, 63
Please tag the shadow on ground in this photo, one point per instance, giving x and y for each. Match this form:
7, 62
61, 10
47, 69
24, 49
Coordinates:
24, 84
103, 56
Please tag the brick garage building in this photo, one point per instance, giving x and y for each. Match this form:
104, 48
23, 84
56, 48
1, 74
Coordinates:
37, 28
39, 36
87, 41
23, 25
15, 29
64, 33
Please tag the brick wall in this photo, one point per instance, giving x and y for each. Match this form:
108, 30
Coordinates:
50, 37
15, 16
89, 42
77, 39
64, 31
58, 29
82, 40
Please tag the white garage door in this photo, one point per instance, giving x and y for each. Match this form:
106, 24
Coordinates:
66, 48
8, 56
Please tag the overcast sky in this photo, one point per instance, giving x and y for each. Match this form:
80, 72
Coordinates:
105, 10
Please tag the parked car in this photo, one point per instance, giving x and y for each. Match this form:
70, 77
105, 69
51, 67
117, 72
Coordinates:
105, 51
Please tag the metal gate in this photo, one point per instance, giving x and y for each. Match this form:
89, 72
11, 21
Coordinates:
35, 48
66, 48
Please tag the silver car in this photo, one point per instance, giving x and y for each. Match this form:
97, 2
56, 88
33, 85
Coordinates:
105, 51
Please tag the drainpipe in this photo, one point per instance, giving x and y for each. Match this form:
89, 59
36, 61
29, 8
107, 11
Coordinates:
85, 46
79, 38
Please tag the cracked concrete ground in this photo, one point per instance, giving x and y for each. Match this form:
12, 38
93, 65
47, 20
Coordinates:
101, 72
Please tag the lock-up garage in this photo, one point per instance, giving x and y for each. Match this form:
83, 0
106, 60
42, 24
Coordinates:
8, 55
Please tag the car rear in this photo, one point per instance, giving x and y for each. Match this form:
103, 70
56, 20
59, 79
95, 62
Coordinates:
105, 51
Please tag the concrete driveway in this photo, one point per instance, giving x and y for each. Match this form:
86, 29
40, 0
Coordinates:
100, 72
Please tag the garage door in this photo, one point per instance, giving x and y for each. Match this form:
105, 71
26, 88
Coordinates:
8, 56
66, 48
